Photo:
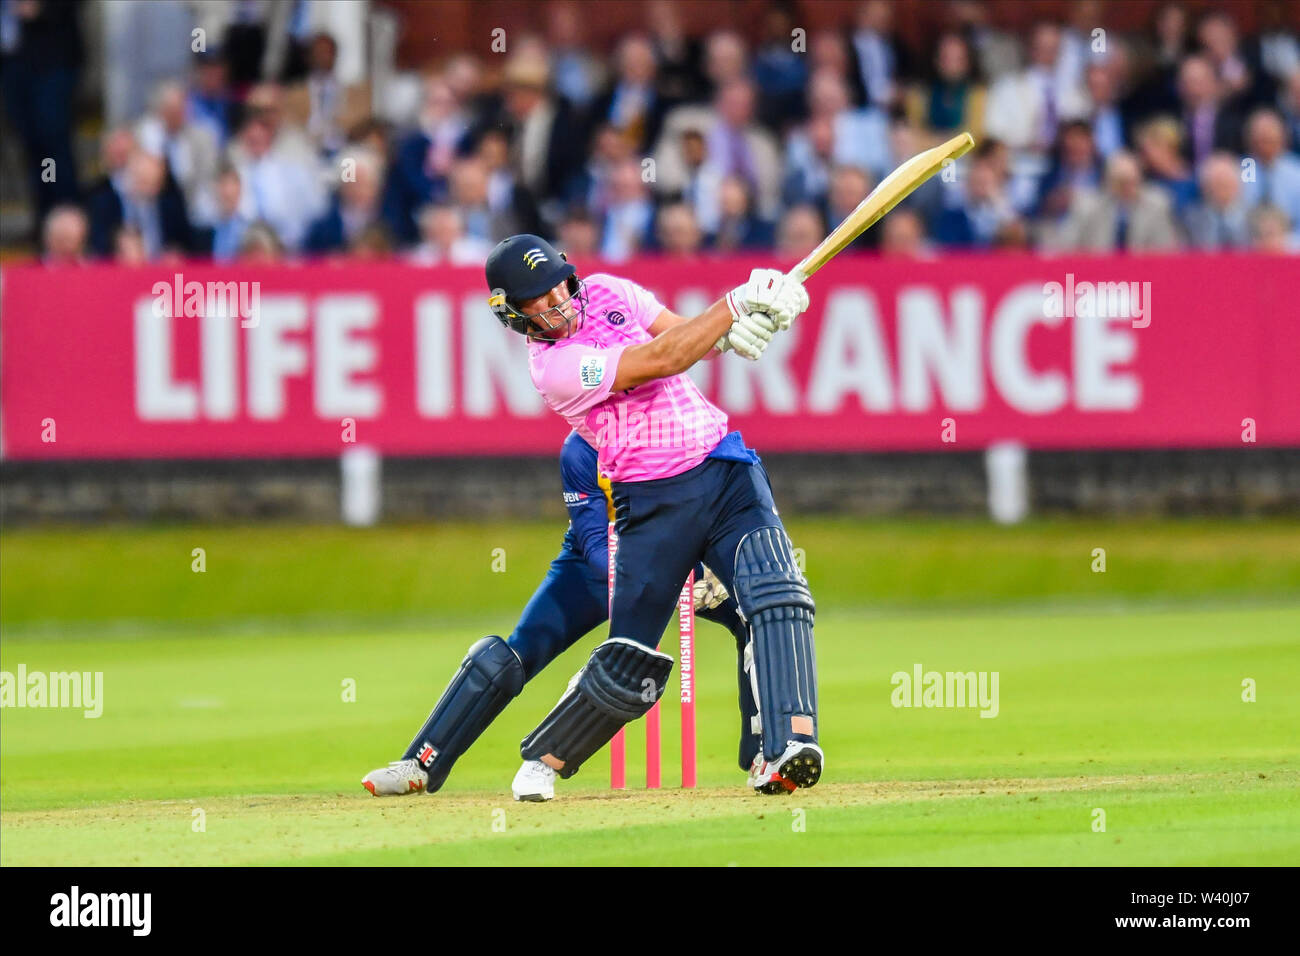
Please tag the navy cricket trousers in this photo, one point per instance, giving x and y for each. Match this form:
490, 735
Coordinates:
668, 524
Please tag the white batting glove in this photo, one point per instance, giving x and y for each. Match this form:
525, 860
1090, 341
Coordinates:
751, 333
772, 292
791, 302
709, 591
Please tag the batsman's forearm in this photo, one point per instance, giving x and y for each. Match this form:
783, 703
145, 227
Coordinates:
686, 344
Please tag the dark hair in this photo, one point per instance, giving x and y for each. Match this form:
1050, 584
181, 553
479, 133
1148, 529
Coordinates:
973, 72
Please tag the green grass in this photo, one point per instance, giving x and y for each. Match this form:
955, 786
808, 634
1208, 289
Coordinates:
223, 692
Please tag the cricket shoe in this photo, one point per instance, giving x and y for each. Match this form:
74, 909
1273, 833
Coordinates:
398, 778
534, 782
763, 779
801, 764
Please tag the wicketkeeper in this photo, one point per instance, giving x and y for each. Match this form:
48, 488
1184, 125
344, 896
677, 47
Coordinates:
570, 602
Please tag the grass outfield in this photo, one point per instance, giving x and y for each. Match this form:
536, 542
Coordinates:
223, 693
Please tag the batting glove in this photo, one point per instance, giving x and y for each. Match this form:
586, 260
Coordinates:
749, 334
772, 292
708, 591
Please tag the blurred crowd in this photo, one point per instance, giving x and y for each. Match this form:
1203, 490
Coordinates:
1186, 135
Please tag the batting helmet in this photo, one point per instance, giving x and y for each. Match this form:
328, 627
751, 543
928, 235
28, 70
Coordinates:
523, 267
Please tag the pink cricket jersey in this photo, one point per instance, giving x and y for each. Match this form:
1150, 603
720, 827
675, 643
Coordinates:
656, 430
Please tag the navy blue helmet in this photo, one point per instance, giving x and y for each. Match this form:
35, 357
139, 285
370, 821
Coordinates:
523, 267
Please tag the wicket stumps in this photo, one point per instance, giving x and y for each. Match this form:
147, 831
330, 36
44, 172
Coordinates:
686, 679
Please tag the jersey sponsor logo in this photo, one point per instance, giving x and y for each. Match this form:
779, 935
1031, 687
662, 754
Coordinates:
615, 317
535, 257
592, 371
574, 497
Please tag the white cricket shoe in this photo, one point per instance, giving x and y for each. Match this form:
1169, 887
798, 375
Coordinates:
398, 778
801, 764
534, 782
764, 779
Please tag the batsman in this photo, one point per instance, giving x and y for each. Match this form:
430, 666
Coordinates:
610, 359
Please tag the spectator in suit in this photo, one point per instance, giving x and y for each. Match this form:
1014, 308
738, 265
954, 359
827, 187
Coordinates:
1109, 125
505, 195
42, 58
357, 206
479, 104
677, 233
809, 159
545, 145
1169, 42
984, 209
324, 94
739, 227
588, 186
632, 105
861, 136
443, 239
189, 149
1221, 219
469, 192
208, 102
278, 189
996, 51
801, 230
679, 57
63, 237
740, 147
879, 57
1241, 80
1075, 167
1276, 179
1076, 42
629, 217
1125, 215
952, 99
726, 60
734, 144
1210, 124
1158, 148
107, 197
578, 74
225, 234
1025, 108
154, 206
424, 157
289, 139
703, 181
1275, 48
780, 73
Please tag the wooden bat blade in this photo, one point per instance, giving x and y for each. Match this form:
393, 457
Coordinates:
892, 190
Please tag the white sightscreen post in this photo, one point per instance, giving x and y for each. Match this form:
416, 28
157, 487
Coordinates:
1006, 464
362, 495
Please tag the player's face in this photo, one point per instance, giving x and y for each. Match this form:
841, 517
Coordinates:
552, 314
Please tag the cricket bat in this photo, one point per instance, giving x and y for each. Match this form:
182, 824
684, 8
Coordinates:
892, 190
